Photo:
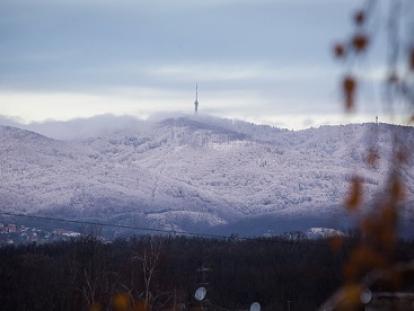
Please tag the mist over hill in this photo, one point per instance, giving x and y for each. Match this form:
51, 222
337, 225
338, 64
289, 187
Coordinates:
194, 173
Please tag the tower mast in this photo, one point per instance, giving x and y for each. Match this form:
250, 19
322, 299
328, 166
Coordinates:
196, 100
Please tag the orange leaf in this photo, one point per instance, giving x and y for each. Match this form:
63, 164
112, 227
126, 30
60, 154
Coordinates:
336, 242
359, 17
349, 85
339, 50
373, 157
95, 307
397, 190
350, 299
121, 302
360, 42
354, 197
411, 59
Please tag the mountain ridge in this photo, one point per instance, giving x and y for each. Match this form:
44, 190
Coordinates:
205, 172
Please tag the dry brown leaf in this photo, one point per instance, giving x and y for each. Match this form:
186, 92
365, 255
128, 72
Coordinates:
349, 85
411, 59
354, 197
397, 190
360, 42
121, 302
359, 17
336, 242
95, 307
373, 157
339, 50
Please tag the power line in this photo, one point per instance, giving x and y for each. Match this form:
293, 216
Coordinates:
94, 223
147, 229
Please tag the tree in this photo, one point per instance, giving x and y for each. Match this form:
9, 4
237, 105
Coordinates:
149, 263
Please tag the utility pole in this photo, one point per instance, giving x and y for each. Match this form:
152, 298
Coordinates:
289, 305
203, 283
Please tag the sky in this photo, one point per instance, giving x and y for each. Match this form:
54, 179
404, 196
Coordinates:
266, 61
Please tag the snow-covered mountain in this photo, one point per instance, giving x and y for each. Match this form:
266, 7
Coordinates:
190, 172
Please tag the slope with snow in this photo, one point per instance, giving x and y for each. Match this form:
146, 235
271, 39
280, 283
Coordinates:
193, 171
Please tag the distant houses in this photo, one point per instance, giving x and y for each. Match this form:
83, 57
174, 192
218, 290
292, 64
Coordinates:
18, 234
8, 228
66, 233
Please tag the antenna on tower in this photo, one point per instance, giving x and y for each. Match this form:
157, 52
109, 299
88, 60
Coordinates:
196, 100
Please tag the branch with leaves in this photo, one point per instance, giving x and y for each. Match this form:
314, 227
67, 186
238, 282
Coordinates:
372, 259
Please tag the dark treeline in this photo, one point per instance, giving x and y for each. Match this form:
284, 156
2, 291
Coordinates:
86, 274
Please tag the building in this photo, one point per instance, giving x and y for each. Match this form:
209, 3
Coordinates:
11, 228
383, 301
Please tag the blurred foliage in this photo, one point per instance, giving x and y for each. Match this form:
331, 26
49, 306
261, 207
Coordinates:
373, 259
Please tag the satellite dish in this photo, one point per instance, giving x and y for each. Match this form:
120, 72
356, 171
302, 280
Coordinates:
255, 306
200, 293
366, 296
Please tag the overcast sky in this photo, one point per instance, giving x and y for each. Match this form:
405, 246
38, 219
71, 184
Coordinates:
262, 60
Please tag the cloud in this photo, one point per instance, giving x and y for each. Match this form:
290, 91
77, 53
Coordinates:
64, 106
82, 128
171, 3
229, 72
71, 58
